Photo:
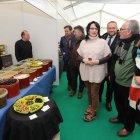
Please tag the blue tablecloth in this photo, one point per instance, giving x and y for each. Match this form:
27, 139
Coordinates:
42, 86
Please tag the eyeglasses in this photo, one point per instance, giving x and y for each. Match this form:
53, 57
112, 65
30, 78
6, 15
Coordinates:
93, 29
123, 29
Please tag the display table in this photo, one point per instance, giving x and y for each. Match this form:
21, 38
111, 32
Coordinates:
42, 86
44, 127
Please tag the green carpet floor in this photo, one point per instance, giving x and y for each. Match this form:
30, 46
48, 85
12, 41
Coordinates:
74, 128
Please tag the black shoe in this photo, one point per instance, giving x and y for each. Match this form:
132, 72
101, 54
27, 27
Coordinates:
108, 107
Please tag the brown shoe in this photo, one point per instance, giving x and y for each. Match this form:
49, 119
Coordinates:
72, 93
123, 132
79, 95
114, 120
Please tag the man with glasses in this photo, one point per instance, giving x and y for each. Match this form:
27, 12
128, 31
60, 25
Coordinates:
111, 37
124, 55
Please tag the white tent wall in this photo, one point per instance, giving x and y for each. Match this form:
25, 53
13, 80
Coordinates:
10, 26
61, 23
18, 16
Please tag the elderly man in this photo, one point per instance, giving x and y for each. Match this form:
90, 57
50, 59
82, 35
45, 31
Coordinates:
125, 54
74, 62
23, 47
111, 37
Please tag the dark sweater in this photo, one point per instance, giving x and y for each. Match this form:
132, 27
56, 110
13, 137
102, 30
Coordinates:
74, 61
23, 50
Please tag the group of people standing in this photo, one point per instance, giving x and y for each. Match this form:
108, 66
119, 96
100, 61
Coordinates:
113, 58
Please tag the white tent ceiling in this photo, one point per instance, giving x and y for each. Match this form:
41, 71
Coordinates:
80, 12
83, 11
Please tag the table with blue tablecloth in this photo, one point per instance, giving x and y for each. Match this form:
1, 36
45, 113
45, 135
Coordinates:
42, 86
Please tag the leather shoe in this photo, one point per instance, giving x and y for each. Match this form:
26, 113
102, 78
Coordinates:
114, 120
123, 132
72, 93
79, 95
108, 107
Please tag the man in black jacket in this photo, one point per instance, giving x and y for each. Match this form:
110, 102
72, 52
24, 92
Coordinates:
111, 37
66, 43
23, 47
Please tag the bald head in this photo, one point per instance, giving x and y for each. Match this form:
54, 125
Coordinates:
25, 35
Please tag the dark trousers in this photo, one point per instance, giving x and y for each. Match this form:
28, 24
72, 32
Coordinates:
68, 72
74, 74
131, 119
109, 91
121, 95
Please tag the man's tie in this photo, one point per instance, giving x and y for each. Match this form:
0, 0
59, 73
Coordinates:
68, 42
109, 41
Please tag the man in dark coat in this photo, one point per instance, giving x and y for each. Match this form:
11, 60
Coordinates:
66, 43
111, 37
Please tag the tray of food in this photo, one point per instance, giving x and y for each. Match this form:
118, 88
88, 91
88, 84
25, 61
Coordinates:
34, 63
29, 104
8, 74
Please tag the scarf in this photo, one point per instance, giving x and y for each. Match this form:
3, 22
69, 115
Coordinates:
126, 44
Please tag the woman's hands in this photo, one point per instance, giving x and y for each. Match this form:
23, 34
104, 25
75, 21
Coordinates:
90, 62
94, 62
86, 61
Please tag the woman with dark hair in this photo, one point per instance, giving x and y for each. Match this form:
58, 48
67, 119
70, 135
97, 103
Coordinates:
95, 52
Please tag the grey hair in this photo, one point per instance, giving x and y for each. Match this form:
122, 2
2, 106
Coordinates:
134, 26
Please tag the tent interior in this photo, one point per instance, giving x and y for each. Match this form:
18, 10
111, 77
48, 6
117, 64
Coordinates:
45, 21
53, 15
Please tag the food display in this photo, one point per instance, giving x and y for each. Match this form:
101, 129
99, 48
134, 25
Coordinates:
34, 63
12, 85
49, 61
39, 71
3, 97
27, 71
19, 76
8, 74
19, 69
29, 104
8, 82
24, 80
31, 72
45, 66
